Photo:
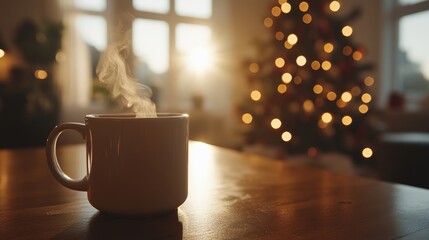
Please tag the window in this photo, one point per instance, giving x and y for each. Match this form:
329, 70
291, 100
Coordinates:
191, 36
92, 29
96, 5
150, 42
413, 59
163, 38
409, 67
409, 2
157, 6
164, 35
192, 8
84, 36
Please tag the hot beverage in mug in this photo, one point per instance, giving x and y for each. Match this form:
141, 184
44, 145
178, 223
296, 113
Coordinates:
135, 165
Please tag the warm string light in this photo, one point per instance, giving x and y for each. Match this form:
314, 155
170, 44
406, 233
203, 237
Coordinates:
288, 45
268, 22
286, 136
326, 65
347, 120
341, 99
347, 31
328, 47
301, 61
367, 152
317, 89
315, 65
326, 117
286, 7
254, 68
60, 57
41, 74
287, 77
276, 11
280, 62
346, 97
2, 53
292, 39
276, 123
368, 81
303, 6
247, 118
357, 55
331, 96
363, 108
281, 88
308, 106
366, 98
255, 95
334, 6
280, 36
307, 18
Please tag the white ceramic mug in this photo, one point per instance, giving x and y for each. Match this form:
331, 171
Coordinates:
136, 166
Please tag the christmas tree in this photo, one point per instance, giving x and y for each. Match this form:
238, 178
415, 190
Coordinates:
308, 88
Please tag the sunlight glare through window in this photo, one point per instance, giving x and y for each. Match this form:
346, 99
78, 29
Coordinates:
194, 8
157, 6
94, 5
200, 59
150, 43
93, 30
191, 36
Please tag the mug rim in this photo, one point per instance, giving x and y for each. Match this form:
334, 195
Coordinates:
132, 116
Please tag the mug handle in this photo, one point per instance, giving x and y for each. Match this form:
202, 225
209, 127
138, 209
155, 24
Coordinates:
51, 155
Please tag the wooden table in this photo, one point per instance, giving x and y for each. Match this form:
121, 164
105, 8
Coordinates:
231, 196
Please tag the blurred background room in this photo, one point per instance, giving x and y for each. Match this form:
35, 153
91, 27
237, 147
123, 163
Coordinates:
340, 85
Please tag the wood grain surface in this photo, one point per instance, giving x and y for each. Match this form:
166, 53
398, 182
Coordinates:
231, 196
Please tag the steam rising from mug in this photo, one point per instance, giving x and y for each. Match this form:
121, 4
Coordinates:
112, 71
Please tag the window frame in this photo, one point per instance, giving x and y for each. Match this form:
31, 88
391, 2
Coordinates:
393, 12
115, 10
172, 19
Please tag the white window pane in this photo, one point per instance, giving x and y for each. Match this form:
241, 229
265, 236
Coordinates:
94, 5
93, 30
410, 2
150, 43
191, 36
413, 53
194, 8
157, 6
